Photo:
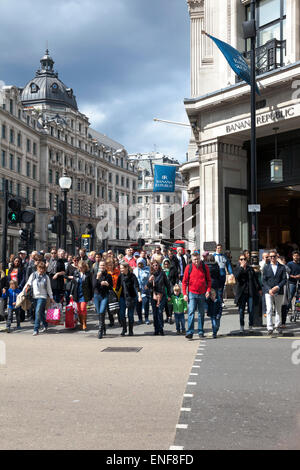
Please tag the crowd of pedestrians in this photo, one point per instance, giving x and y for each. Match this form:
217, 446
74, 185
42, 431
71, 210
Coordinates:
171, 285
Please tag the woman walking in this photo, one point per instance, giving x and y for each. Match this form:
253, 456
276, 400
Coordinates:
247, 289
40, 283
158, 285
82, 291
102, 283
142, 273
130, 293
16, 273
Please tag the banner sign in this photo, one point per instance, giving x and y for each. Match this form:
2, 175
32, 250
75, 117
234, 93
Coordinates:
164, 179
235, 60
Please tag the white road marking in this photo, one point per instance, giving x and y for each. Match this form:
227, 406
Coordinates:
192, 383
176, 448
188, 395
181, 426
192, 373
186, 409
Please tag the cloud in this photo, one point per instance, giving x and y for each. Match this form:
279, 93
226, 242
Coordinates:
127, 61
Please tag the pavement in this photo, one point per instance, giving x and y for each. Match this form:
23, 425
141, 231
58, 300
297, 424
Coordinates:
62, 390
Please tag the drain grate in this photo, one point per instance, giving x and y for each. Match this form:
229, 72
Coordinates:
121, 350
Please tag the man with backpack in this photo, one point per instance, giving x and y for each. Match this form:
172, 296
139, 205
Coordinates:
196, 286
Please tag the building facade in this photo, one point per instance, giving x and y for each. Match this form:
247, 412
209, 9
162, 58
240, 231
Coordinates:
218, 165
154, 207
43, 135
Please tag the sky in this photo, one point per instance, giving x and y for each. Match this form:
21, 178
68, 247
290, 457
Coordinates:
126, 60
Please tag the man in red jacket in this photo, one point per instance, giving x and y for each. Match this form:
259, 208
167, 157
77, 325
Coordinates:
197, 282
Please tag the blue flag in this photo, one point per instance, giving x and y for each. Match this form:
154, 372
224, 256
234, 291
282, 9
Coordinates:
235, 60
164, 179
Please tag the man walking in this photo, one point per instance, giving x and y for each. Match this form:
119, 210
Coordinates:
294, 274
223, 263
196, 286
273, 280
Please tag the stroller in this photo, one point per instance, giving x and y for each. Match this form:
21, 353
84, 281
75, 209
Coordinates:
295, 315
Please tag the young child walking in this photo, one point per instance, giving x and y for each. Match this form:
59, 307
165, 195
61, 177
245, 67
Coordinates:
12, 294
214, 311
179, 309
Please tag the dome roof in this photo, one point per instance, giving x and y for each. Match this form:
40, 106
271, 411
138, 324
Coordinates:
47, 88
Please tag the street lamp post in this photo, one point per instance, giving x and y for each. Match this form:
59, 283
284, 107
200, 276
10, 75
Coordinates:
254, 218
65, 183
250, 33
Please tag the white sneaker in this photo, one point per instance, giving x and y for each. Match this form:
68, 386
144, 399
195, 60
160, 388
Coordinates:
44, 329
35, 333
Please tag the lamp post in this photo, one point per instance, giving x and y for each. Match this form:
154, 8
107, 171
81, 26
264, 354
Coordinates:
250, 33
65, 183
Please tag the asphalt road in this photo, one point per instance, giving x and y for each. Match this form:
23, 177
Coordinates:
61, 390
246, 396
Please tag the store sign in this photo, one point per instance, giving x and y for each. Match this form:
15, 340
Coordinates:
264, 119
164, 179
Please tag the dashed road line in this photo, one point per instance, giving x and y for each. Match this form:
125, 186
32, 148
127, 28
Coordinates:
181, 426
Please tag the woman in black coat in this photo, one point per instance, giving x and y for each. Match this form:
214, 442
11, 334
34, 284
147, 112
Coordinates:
102, 284
160, 290
17, 273
130, 293
247, 288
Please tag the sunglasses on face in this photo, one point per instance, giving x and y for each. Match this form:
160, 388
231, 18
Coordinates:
242, 259
273, 256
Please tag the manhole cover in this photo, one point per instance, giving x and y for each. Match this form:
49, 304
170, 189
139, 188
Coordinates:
121, 350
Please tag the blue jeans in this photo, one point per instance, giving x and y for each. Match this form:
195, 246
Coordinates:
221, 287
196, 302
10, 315
123, 310
292, 293
215, 323
40, 316
180, 321
100, 304
245, 299
158, 319
144, 305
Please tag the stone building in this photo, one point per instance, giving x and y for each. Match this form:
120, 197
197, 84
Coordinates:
155, 207
44, 134
218, 166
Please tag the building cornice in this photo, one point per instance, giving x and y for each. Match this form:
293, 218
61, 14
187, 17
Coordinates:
267, 81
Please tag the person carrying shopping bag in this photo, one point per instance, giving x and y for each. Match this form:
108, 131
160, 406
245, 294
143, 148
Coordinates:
40, 284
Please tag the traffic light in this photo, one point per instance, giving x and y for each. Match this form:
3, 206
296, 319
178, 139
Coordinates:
24, 234
14, 214
24, 239
55, 224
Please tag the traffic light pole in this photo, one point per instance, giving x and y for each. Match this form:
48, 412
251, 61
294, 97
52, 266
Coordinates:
4, 225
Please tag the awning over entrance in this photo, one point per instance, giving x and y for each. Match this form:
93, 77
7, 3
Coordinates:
178, 225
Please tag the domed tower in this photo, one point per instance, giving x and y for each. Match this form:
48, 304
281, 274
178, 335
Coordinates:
46, 88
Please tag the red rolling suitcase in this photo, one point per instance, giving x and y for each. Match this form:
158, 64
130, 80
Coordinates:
71, 316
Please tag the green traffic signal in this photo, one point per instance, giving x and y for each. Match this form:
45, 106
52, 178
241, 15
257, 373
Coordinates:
13, 217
